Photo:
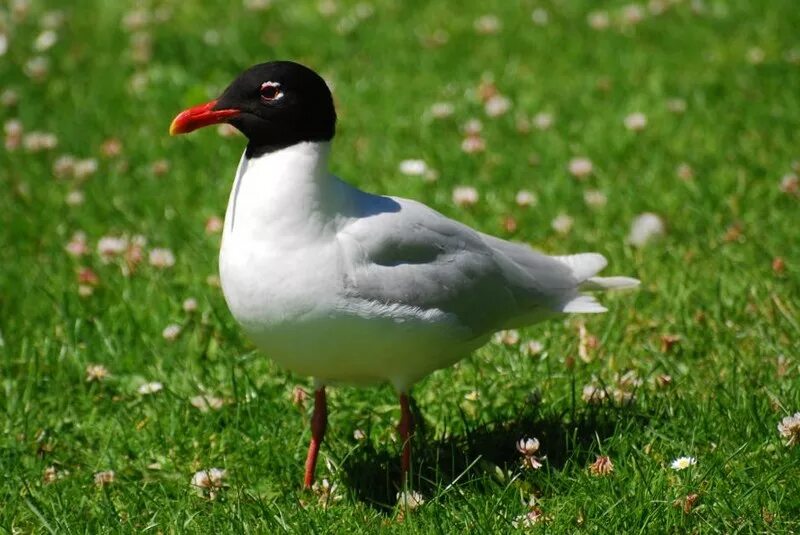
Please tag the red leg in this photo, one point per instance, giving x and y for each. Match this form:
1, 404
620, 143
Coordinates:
406, 430
319, 422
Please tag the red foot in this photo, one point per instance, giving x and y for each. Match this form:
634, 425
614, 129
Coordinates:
319, 422
406, 429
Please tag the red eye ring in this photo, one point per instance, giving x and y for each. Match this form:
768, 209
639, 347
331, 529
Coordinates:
271, 91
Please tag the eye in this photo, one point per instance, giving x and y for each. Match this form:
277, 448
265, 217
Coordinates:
271, 91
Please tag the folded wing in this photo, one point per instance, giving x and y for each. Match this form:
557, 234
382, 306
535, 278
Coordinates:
417, 257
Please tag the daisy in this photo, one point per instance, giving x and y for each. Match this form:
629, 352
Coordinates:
682, 463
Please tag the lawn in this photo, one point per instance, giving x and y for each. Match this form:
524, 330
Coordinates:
117, 352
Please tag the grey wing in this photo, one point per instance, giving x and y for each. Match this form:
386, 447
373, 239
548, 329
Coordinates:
417, 257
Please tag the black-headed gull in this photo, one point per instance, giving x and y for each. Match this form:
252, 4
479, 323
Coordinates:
350, 287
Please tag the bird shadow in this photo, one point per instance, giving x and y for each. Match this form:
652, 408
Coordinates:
487, 448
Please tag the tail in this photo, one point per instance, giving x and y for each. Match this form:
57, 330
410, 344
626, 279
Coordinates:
584, 267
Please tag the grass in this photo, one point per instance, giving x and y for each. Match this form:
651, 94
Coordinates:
710, 279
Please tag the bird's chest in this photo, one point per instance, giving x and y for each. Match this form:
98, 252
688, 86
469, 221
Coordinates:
268, 287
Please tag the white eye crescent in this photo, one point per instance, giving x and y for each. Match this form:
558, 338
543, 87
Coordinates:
271, 91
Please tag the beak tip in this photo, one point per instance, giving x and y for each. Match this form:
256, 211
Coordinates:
174, 129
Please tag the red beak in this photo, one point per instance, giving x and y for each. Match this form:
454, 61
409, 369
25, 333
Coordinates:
198, 117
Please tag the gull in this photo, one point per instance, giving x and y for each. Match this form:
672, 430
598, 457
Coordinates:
349, 287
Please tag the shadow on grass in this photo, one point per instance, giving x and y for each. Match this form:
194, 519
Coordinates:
374, 474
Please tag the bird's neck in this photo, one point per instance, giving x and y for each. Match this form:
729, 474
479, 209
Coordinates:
284, 191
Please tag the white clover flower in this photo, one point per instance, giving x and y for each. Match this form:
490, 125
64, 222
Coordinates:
75, 198
636, 122
509, 337
543, 120
528, 446
790, 183
540, 17
473, 127
465, 196
150, 388
64, 166
529, 519
96, 372
171, 332
487, 25
562, 223
580, 167
632, 14
51, 20
45, 40
214, 225
598, 20
39, 141
756, 55
473, 144
161, 258
594, 198
532, 348
257, 5
644, 228
410, 500
208, 483
593, 394
77, 245
37, 68
684, 171
327, 492
526, 198
413, 167
497, 105
789, 428
205, 403
441, 110
111, 246
189, 305
8, 97
84, 168
682, 463
101, 479
52, 474
676, 105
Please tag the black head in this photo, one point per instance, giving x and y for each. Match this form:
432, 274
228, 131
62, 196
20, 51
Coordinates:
274, 104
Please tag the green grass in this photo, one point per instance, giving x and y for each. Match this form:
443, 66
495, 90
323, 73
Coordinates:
735, 314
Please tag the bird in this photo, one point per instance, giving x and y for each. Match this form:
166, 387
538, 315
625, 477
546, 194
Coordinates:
355, 288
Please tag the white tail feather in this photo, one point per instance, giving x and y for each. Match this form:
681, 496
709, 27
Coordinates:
584, 267
585, 304
608, 283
